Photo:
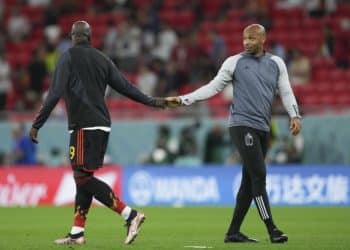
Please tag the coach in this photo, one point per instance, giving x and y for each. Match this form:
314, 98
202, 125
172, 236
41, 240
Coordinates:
256, 77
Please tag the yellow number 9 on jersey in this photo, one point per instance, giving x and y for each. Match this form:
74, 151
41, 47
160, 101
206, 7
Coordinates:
71, 152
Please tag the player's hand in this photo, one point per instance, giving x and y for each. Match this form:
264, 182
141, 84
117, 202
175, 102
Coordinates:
33, 134
295, 125
160, 102
173, 102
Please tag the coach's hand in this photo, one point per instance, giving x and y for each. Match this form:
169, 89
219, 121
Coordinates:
295, 125
33, 134
173, 102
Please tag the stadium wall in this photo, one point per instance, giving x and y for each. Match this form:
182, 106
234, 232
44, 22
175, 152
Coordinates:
290, 185
326, 137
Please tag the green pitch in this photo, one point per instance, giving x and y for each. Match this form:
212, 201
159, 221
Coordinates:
175, 228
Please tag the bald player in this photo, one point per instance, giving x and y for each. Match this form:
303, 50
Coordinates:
81, 76
256, 76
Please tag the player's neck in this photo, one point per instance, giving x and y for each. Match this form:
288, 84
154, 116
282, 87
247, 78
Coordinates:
259, 53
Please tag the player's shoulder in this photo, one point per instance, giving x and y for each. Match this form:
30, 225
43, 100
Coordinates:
64, 58
102, 56
231, 61
275, 58
235, 57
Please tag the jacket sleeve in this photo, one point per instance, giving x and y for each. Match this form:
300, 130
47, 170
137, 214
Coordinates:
285, 90
58, 85
118, 82
221, 80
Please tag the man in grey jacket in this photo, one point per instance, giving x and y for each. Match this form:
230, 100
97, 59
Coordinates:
256, 76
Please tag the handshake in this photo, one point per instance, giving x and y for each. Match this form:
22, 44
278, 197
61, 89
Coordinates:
168, 102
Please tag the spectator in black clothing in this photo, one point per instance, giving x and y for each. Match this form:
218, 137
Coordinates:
165, 149
37, 71
214, 143
81, 76
188, 146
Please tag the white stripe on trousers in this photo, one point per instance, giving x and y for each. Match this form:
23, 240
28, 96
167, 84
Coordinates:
261, 207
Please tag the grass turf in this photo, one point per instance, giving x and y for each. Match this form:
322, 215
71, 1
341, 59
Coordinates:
175, 228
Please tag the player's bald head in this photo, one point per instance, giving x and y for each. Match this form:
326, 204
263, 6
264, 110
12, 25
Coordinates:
81, 31
256, 29
254, 37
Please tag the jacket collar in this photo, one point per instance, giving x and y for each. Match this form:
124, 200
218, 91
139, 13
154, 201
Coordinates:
83, 44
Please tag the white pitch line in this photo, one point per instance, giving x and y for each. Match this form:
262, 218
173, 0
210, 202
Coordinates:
198, 247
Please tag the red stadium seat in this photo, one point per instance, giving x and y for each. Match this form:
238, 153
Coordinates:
337, 75
177, 20
171, 4
326, 99
210, 7
343, 99
235, 14
142, 3
322, 87
18, 59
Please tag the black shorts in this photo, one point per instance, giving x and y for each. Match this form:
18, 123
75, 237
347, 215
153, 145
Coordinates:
87, 149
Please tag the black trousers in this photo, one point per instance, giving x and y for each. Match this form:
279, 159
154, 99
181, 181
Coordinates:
252, 145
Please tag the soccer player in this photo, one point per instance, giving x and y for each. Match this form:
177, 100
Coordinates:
81, 77
256, 77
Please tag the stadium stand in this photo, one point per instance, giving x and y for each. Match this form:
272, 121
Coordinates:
323, 39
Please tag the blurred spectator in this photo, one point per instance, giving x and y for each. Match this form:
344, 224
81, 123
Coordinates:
188, 147
1, 10
51, 14
148, 21
218, 49
185, 58
166, 147
278, 49
215, 142
21, 85
52, 33
110, 40
287, 149
51, 57
56, 158
327, 46
5, 80
36, 3
18, 25
342, 45
24, 150
64, 43
37, 71
320, 8
146, 80
2, 158
2, 37
66, 7
166, 41
299, 68
257, 11
128, 45
287, 4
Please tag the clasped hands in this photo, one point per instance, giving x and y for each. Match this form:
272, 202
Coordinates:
168, 102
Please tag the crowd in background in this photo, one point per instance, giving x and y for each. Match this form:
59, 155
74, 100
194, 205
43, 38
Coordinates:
182, 149
160, 59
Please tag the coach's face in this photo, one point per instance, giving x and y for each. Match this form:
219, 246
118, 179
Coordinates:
253, 39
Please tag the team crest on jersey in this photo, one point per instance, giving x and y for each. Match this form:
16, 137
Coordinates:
248, 139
